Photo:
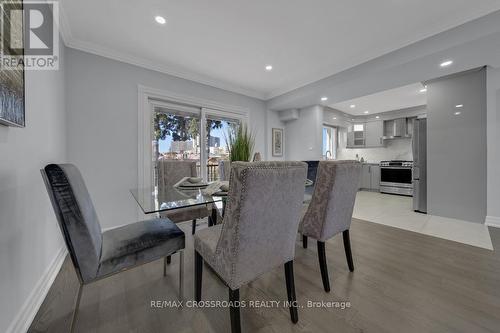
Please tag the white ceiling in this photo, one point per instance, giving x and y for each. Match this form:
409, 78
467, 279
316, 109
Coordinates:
227, 43
389, 100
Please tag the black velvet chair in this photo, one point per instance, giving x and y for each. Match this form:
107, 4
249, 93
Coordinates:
97, 255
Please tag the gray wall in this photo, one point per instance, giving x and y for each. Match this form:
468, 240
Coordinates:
493, 132
29, 236
303, 136
456, 147
102, 127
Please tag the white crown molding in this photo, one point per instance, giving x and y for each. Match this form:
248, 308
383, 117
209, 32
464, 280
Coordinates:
162, 68
64, 27
30, 307
492, 221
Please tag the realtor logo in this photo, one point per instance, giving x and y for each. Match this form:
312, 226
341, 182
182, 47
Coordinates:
36, 46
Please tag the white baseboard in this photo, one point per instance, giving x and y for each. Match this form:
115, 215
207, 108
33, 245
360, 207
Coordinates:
23, 319
492, 221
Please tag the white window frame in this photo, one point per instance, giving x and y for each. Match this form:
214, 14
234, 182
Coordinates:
333, 150
149, 98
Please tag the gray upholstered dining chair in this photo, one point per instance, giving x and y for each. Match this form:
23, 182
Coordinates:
330, 210
169, 173
97, 255
224, 170
258, 232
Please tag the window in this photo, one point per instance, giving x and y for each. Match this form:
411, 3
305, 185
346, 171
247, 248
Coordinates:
217, 129
359, 127
174, 126
181, 132
176, 136
329, 142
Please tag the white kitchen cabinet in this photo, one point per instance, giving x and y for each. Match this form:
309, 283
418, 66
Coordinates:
375, 178
370, 177
366, 177
356, 136
374, 131
350, 140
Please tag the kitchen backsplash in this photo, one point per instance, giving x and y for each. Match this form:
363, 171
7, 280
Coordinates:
397, 149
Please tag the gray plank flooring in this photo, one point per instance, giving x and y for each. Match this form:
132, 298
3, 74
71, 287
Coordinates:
403, 282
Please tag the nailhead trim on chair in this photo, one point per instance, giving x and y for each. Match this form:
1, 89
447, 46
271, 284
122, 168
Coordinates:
243, 192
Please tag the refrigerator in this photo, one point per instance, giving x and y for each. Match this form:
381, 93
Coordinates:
419, 147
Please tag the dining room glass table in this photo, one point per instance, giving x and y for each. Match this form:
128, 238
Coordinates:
154, 200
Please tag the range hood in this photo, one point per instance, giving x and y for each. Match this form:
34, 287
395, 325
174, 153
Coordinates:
396, 129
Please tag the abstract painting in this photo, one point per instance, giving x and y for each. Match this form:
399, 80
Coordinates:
12, 79
277, 142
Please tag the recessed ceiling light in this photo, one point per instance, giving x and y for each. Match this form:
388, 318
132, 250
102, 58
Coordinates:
324, 98
457, 113
377, 117
160, 20
352, 106
459, 106
423, 90
446, 63
269, 68
334, 118
366, 112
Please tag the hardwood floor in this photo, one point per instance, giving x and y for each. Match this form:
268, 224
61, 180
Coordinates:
402, 282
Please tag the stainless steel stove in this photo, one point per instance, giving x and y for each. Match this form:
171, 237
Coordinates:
396, 177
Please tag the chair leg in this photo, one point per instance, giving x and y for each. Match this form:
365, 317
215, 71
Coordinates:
193, 227
181, 274
77, 305
322, 266
198, 275
166, 261
347, 248
234, 310
304, 242
212, 219
290, 290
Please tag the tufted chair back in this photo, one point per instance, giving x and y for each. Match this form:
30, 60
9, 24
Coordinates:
332, 203
171, 171
261, 220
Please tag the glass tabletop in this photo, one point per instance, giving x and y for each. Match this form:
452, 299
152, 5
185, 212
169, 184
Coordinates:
152, 200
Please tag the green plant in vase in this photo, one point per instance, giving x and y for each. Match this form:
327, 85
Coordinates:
240, 143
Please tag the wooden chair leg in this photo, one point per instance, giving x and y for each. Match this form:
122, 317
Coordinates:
323, 266
77, 306
198, 275
193, 227
347, 248
304, 242
290, 290
234, 311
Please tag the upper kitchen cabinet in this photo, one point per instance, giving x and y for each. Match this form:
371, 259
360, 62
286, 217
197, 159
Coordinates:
366, 135
374, 131
356, 135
